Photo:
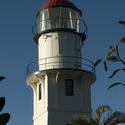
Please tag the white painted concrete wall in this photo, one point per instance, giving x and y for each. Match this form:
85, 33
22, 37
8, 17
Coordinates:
59, 50
57, 109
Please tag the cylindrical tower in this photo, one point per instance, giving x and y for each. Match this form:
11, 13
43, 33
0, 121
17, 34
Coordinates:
60, 78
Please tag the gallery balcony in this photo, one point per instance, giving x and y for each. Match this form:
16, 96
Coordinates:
60, 62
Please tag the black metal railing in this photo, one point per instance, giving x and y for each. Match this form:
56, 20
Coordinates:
60, 62
76, 25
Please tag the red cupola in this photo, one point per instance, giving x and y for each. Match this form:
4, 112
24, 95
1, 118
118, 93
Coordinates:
63, 3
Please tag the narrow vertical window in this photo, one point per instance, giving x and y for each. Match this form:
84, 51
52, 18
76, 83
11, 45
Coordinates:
68, 87
40, 93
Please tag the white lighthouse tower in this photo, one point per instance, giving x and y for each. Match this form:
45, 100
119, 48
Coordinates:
61, 79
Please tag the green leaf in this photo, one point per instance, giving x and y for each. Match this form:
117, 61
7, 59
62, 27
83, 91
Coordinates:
100, 111
114, 118
115, 72
2, 78
105, 66
112, 51
97, 62
84, 120
115, 84
122, 40
112, 46
122, 22
123, 70
4, 118
2, 102
112, 58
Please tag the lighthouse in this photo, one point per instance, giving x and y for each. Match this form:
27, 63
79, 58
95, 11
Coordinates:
61, 77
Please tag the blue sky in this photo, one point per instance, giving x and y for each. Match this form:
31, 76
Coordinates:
17, 49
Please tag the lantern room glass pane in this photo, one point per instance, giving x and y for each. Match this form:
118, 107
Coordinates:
59, 17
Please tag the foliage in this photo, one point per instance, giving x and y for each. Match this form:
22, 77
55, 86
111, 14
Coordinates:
4, 118
2, 78
113, 56
122, 22
96, 119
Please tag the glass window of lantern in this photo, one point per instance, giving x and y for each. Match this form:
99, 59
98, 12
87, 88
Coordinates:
39, 22
46, 12
43, 20
60, 19
55, 17
74, 19
47, 20
65, 18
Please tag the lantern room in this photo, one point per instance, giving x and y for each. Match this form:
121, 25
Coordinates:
59, 15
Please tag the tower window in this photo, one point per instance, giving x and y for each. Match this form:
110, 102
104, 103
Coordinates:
68, 87
40, 92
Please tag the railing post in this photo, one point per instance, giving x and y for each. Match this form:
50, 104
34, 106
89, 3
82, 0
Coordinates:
78, 25
45, 63
71, 20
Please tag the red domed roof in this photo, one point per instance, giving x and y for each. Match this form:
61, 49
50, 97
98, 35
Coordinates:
58, 3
